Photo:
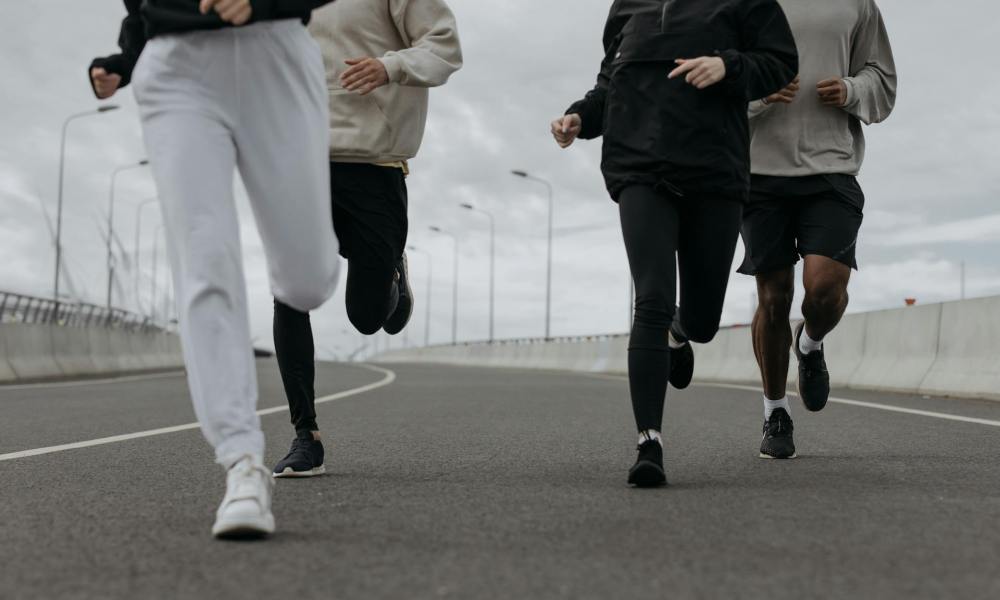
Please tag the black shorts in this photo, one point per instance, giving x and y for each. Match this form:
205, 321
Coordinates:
369, 212
789, 217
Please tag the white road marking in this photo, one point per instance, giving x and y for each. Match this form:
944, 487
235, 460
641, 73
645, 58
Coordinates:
387, 379
83, 382
845, 401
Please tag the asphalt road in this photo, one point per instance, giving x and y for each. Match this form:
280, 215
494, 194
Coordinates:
476, 483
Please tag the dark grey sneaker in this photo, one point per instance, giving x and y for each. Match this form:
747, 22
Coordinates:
648, 469
305, 459
814, 379
404, 308
778, 442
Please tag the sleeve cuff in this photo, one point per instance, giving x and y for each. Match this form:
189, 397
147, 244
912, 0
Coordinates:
852, 93
393, 66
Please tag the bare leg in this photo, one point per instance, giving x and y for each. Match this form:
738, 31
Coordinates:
826, 297
772, 335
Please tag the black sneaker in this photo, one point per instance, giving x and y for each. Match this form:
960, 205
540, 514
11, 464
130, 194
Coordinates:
681, 366
404, 308
814, 379
777, 442
305, 459
648, 469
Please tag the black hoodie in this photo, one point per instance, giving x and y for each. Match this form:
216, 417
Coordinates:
149, 18
665, 132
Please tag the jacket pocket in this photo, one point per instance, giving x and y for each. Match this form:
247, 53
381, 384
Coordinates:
358, 126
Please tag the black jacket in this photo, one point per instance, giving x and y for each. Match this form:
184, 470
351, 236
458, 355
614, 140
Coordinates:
666, 132
149, 18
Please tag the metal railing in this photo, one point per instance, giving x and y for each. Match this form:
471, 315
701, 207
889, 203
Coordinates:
17, 308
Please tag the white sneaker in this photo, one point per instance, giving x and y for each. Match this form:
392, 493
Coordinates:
245, 512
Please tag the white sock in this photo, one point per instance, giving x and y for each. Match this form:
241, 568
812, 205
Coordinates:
672, 341
650, 434
771, 405
807, 344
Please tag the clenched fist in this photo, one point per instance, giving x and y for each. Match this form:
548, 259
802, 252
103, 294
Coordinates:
105, 84
566, 129
364, 76
832, 92
234, 12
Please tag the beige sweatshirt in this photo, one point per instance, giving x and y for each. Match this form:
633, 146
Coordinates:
417, 41
835, 38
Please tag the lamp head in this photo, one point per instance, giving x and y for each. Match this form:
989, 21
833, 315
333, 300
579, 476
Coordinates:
519, 173
467, 206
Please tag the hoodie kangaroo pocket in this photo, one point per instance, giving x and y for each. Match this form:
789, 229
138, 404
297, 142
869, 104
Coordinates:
358, 127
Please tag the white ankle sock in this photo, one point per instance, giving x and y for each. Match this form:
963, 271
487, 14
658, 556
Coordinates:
807, 344
771, 405
672, 341
650, 434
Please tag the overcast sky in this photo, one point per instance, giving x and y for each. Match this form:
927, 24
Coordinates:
931, 174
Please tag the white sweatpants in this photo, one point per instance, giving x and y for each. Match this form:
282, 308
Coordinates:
254, 99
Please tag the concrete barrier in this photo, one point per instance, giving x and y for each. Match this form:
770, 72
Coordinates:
6, 371
943, 349
968, 357
71, 351
29, 351
37, 351
899, 349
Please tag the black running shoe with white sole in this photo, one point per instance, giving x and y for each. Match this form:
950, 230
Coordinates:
814, 379
648, 469
305, 459
777, 441
404, 307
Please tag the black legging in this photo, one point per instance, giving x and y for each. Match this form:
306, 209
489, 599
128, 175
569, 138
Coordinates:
664, 232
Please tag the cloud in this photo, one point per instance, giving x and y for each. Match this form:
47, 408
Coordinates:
930, 175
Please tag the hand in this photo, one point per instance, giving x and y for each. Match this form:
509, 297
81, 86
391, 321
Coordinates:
786, 95
566, 129
234, 12
832, 92
701, 72
365, 75
105, 84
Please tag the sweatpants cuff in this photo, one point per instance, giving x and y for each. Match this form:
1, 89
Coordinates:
230, 451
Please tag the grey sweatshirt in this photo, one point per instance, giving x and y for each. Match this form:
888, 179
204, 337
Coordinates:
417, 41
835, 38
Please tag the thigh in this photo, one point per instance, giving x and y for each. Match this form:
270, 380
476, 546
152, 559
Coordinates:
282, 141
829, 221
768, 231
650, 227
710, 228
193, 162
371, 202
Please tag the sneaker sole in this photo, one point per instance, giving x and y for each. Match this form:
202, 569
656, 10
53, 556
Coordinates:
244, 528
647, 475
769, 457
290, 474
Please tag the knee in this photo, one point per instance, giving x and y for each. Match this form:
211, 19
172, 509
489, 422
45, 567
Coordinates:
701, 333
826, 292
365, 319
776, 304
306, 296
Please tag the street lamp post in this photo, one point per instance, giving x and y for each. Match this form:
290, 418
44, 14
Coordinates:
493, 255
62, 174
111, 220
136, 249
156, 252
454, 292
548, 275
430, 281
